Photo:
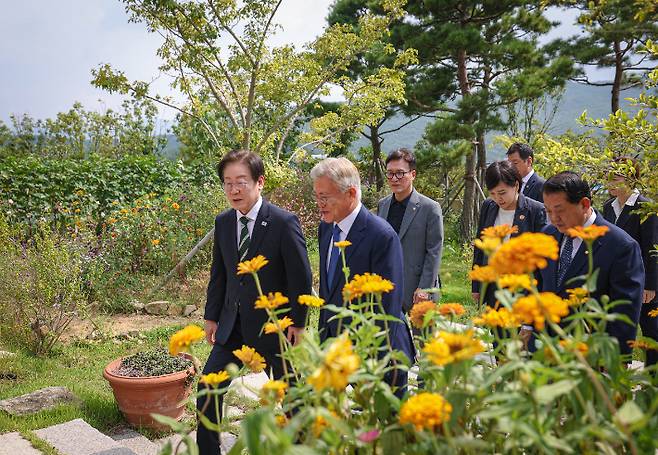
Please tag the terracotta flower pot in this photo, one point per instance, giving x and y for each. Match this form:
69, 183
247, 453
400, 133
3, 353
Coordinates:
139, 397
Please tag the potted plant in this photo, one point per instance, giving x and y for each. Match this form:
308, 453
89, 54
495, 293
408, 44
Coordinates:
155, 381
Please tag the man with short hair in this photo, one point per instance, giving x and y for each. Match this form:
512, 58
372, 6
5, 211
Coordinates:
375, 248
418, 221
250, 228
617, 257
522, 157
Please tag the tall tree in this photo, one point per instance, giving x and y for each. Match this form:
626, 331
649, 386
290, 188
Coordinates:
615, 32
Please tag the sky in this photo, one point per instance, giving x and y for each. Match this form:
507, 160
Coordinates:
48, 49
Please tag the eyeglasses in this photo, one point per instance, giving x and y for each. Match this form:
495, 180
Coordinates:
228, 187
397, 174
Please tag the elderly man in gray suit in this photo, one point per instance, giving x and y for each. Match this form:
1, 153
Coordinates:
419, 223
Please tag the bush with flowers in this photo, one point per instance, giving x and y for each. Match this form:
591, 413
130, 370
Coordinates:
573, 395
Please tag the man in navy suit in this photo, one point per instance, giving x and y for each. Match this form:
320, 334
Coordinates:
375, 248
250, 228
617, 256
522, 157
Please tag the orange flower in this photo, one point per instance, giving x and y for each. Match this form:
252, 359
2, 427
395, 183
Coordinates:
418, 312
589, 233
273, 391
342, 244
155, 242
310, 300
501, 231
488, 244
516, 282
279, 326
569, 345
501, 317
250, 358
252, 265
536, 309
368, 283
643, 344
577, 296
449, 347
175, 206
338, 364
653, 313
425, 411
524, 254
215, 379
485, 274
270, 301
452, 309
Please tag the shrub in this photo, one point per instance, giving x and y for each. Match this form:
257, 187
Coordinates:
295, 194
155, 362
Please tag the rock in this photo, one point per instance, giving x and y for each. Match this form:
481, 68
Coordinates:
159, 307
6, 354
77, 437
136, 442
137, 305
13, 443
39, 400
189, 309
175, 310
134, 334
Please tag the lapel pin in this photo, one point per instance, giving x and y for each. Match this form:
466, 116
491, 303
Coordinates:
263, 223
522, 217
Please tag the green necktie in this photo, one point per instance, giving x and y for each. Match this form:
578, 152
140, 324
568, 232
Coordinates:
244, 239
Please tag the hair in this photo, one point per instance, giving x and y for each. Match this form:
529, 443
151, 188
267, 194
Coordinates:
403, 154
631, 163
524, 150
502, 172
341, 171
252, 160
571, 184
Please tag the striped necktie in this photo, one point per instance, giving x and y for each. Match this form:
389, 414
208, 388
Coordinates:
565, 260
244, 239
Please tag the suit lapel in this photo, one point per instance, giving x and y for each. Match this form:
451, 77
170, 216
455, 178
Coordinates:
521, 215
386, 205
355, 236
530, 184
409, 213
231, 229
260, 229
325, 238
625, 215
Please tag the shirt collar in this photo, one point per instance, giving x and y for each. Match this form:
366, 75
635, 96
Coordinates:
591, 219
632, 199
404, 201
253, 213
527, 177
346, 223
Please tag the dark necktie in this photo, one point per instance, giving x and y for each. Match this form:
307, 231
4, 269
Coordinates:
244, 239
335, 253
565, 260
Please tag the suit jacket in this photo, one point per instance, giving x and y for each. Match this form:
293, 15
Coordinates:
618, 259
375, 248
277, 235
529, 216
421, 235
534, 188
646, 234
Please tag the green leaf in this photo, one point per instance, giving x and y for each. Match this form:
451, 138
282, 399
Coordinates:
547, 393
629, 414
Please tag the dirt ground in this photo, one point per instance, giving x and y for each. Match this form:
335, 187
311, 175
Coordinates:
124, 323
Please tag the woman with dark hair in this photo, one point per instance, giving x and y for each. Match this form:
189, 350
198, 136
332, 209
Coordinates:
621, 211
506, 205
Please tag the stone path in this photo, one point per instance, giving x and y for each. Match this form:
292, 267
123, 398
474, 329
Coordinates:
14, 444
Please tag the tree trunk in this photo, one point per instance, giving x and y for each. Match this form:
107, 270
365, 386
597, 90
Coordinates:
375, 143
619, 72
482, 159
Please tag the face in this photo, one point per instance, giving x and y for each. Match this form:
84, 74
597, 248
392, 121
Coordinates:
565, 214
523, 166
334, 205
240, 188
617, 186
400, 185
505, 195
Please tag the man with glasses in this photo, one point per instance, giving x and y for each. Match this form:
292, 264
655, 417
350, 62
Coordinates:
250, 228
418, 222
374, 248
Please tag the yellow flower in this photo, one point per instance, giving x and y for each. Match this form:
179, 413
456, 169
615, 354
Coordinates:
449, 347
418, 312
155, 242
425, 411
516, 282
524, 254
321, 423
281, 420
271, 301
653, 313
215, 379
452, 309
488, 244
112, 220
310, 300
484, 274
273, 392
338, 364
183, 339
342, 244
175, 206
501, 317
571, 346
643, 344
536, 309
589, 233
368, 283
279, 326
577, 296
252, 265
250, 358
500, 232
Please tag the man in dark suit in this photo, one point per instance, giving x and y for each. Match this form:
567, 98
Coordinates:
522, 157
250, 228
617, 256
375, 248
621, 210
418, 222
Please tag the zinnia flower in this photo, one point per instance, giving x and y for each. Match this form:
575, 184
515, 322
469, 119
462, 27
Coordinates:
338, 364
516, 282
425, 411
342, 244
653, 313
449, 347
536, 309
252, 265
500, 231
368, 283
279, 326
215, 379
183, 339
524, 254
271, 301
250, 358
488, 244
175, 206
577, 296
310, 300
569, 345
275, 390
501, 317
484, 274
418, 312
452, 309
589, 233
155, 242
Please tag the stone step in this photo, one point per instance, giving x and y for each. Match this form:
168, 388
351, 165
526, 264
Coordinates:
135, 442
77, 437
228, 441
14, 444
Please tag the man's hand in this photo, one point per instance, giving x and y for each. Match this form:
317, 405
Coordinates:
524, 335
419, 296
210, 327
476, 297
295, 335
648, 296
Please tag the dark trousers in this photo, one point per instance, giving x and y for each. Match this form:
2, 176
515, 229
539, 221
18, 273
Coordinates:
649, 328
220, 356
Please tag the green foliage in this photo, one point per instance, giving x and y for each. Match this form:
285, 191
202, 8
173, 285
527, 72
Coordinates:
154, 362
295, 194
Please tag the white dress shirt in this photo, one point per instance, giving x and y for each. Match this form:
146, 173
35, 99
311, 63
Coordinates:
252, 215
525, 179
345, 225
632, 199
577, 241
